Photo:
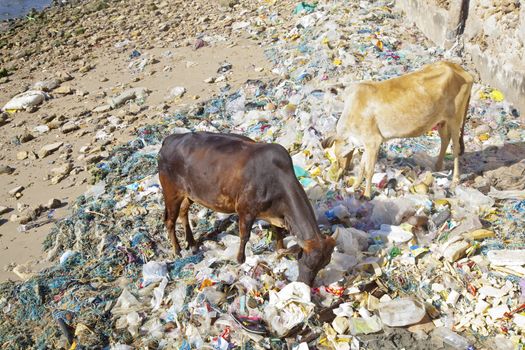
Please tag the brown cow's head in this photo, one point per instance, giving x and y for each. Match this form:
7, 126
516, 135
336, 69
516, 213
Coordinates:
316, 254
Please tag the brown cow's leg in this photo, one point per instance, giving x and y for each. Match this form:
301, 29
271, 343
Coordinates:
279, 233
186, 203
245, 227
171, 215
361, 171
444, 134
172, 202
455, 130
371, 150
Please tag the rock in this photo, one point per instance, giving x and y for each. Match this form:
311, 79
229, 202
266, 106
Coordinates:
47, 118
507, 257
6, 169
102, 109
3, 118
94, 158
228, 3
48, 149
55, 124
401, 312
33, 155
209, 80
23, 272
26, 99
130, 94
54, 203
134, 109
41, 128
259, 69
177, 92
46, 85
22, 155
62, 170
64, 76
115, 121
16, 190
4, 210
456, 250
69, 127
63, 90
84, 149
86, 68
26, 137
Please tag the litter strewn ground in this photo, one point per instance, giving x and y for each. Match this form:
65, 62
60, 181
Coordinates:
421, 263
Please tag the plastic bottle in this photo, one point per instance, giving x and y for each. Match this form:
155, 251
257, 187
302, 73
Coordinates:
451, 338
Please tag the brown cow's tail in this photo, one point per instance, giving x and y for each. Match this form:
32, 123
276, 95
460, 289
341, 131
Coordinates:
328, 142
461, 141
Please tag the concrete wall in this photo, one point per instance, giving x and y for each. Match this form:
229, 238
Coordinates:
492, 33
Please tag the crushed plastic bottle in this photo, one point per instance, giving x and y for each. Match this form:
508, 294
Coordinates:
401, 312
451, 338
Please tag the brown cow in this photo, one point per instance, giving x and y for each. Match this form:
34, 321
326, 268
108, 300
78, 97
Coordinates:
406, 106
231, 173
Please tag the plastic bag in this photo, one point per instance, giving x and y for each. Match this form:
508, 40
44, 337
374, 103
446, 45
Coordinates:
153, 271
25, 99
289, 307
473, 200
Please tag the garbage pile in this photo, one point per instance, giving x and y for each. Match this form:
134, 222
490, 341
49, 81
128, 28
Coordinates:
421, 263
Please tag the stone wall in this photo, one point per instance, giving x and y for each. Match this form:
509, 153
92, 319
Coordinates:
492, 33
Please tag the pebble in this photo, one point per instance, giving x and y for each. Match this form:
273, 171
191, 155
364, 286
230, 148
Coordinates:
62, 170
26, 137
48, 149
42, 128
13, 192
63, 90
46, 85
102, 109
177, 91
69, 127
54, 203
6, 169
4, 210
22, 155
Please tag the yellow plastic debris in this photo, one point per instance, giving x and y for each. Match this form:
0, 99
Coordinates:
337, 62
484, 137
497, 95
479, 234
